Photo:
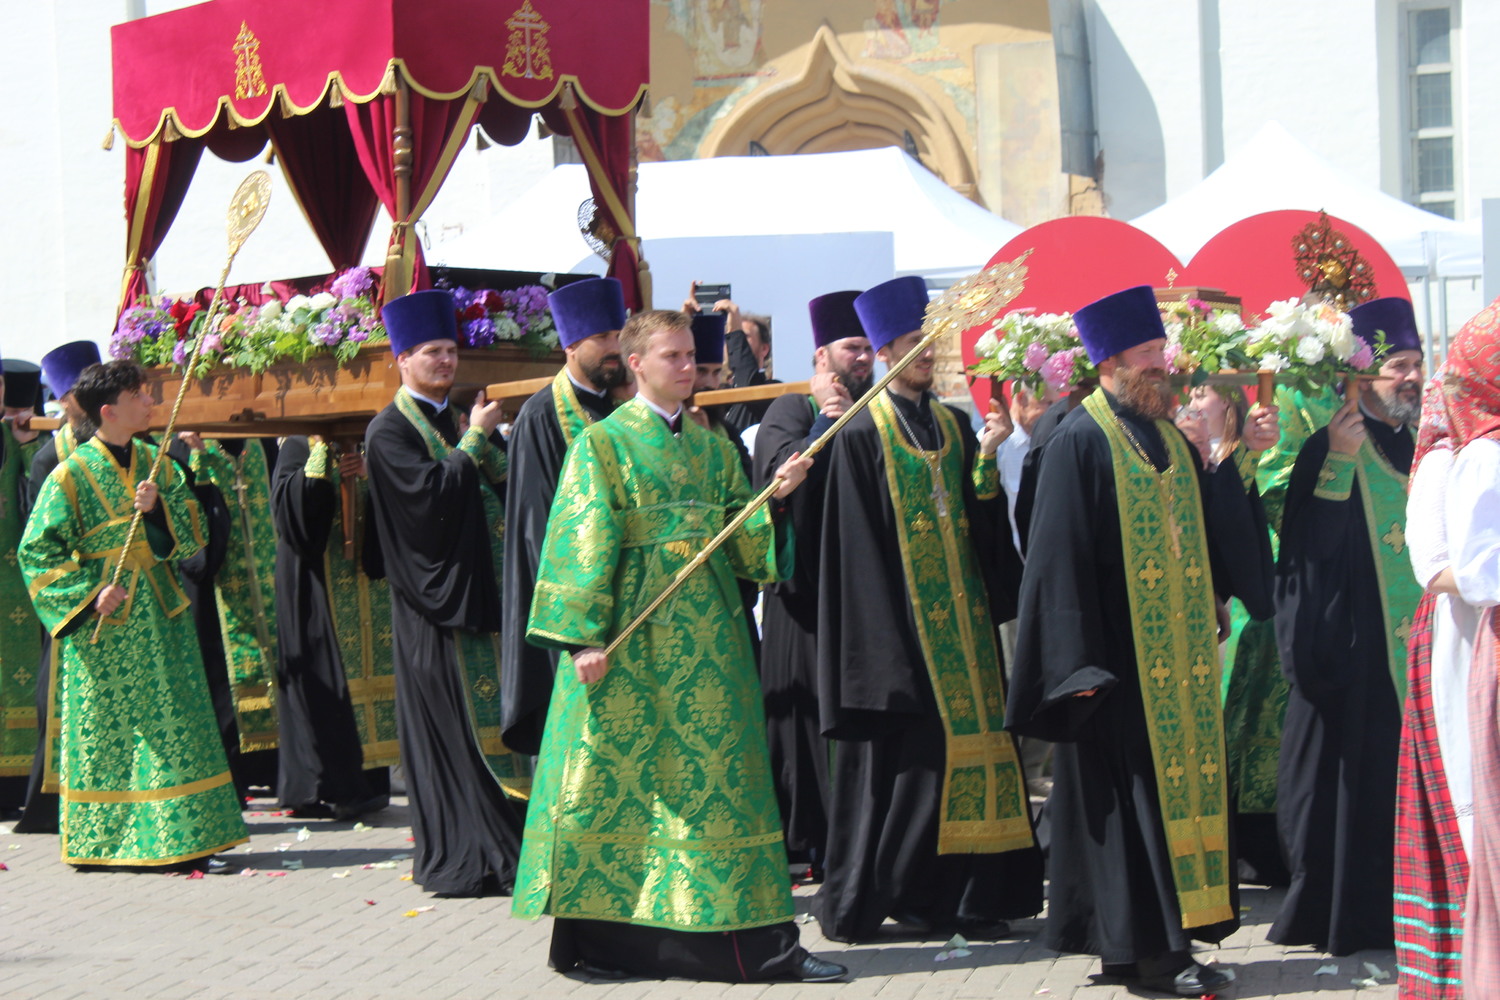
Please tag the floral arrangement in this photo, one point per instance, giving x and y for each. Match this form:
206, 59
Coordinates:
519, 315
336, 322
1035, 349
1309, 345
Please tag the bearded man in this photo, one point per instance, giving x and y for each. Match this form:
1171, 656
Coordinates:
843, 370
1117, 659
1345, 602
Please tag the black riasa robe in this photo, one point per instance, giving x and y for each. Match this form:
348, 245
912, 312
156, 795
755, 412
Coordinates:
875, 698
1336, 777
320, 759
431, 522
535, 452
1111, 891
789, 632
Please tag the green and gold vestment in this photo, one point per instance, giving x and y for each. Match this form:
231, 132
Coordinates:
142, 772
20, 631
361, 612
984, 806
653, 802
245, 586
1254, 688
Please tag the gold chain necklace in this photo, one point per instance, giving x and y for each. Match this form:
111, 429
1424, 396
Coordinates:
930, 459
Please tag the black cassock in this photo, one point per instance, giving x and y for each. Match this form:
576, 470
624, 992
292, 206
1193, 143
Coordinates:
435, 542
1111, 891
536, 454
789, 632
1336, 777
321, 759
875, 697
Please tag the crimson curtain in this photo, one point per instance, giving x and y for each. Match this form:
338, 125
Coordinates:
607, 145
438, 129
328, 179
157, 176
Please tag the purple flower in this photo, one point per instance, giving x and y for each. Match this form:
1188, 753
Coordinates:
328, 333
180, 353
463, 298
1363, 356
479, 333
1036, 356
120, 347
359, 334
353, 282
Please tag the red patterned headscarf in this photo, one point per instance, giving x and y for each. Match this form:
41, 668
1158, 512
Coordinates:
1471, 378
1435, 429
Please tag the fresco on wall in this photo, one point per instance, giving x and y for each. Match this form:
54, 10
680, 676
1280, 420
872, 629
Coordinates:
905, 29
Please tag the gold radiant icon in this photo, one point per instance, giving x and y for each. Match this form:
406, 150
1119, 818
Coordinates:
249, 80
527, 54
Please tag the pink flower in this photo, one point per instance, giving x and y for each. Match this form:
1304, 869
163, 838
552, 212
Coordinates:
1036, 356
212, 342
1173, 352
1363, 356
1058, 369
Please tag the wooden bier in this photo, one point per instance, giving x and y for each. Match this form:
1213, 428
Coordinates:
714, 397
323, 398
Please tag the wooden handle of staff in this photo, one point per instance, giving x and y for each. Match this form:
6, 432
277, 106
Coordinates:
348, 502
1352, 388
1265, 388
997, 394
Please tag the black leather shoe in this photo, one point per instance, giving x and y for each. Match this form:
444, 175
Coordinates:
601, 971
991, 931
1193, 981
813, 969
912, 923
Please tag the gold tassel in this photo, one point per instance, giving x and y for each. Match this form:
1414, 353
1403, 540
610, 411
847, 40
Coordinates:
109, 138
336, 95
568, 102
284, 105
271, 154
481, 89
169, 131
644, 110
388, 84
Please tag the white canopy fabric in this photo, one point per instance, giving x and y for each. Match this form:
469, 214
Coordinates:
937, 231
1275, 171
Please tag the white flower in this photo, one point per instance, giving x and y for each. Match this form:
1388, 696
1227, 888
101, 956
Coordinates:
1009, 352
1339, 336
1283, 308
987, 345
322, 301
1274, 362
270, 311
297, 302
1310, 349
1228, 322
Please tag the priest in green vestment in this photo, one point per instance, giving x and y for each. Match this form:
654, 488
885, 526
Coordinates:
1254, 690
1345, 600
653, 835
142, 774
929, 822
20, 631
244, 588
1117, 659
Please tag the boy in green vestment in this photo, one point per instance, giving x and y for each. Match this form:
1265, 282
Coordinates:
143, 777
653, 834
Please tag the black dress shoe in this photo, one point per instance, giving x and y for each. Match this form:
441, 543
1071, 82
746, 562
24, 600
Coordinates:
1193, 981
601, 971
912, 923
993, 930
813, 969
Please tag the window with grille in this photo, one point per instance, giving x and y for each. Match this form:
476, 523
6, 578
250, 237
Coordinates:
1431, 48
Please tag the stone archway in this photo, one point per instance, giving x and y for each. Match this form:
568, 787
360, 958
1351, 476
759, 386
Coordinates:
836, 104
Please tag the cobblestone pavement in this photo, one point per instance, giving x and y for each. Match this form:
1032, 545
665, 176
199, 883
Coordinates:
330, 916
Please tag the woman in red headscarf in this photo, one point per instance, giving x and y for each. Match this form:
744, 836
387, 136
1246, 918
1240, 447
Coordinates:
1472, 385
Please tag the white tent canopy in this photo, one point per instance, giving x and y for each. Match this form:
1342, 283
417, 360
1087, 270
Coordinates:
937, 232
1274, 171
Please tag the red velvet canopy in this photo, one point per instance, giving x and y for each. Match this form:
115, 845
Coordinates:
367, 102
